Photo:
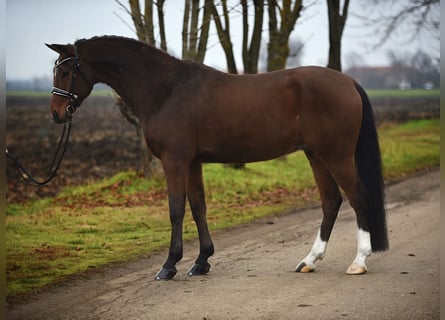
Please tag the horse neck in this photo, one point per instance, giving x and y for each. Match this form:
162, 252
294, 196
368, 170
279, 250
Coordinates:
137, 74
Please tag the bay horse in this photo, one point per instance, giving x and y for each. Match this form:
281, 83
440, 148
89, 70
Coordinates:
193, 114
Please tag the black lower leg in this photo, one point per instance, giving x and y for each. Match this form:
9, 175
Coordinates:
198, 206
168, 270
330, 213
201, 266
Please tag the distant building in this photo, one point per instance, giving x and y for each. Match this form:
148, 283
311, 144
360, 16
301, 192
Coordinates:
395, 77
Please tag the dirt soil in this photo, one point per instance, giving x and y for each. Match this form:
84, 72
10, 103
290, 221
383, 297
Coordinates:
101, 144
252, 273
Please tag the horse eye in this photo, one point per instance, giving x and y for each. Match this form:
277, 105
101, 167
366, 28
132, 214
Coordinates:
64, 74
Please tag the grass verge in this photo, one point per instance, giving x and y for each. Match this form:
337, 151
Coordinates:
396, 93
125, 217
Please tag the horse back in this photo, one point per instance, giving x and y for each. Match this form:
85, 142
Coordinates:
246, 118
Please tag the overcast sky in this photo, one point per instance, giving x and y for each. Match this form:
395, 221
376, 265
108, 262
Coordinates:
31, 24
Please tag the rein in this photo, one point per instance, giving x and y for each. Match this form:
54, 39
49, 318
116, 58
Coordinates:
64, 138
55, 163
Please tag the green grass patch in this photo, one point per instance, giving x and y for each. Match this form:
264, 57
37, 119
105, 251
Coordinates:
28, 93
410, 147
126, 216
396, 93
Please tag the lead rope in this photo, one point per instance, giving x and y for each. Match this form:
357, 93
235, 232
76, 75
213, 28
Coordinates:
55, 163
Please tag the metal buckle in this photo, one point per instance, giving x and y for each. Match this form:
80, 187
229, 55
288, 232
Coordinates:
70, 110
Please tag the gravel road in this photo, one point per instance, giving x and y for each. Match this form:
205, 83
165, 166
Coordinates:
252, 272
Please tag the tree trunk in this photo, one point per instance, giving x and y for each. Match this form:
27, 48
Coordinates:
280, 30
224, 36
160, 5
251, 51
337, 22
278, 48
194, 44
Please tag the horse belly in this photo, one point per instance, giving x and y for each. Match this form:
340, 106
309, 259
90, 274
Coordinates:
249, 143
250, 119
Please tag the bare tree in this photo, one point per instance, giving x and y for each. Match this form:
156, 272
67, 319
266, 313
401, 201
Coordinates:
225, 39
250, 45
403, 20
144, 22
337, 20
282, 20
194, 36
251, 51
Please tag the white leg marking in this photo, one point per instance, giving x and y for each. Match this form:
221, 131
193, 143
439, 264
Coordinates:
364, 250
317, 253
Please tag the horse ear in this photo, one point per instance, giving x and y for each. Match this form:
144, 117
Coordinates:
60, 48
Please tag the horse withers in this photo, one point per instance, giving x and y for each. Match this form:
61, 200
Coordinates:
193, 114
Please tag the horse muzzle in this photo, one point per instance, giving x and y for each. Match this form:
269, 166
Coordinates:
66, 118
74, 103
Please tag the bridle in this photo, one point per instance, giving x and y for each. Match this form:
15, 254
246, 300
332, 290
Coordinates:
74, 104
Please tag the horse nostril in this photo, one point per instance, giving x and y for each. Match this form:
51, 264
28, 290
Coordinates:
55, 117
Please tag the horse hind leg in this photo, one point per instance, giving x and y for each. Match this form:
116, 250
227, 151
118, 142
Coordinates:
357, 199
358, 266
348, 179
197, 203
331, 200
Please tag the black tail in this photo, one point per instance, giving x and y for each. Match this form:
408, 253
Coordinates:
369, 165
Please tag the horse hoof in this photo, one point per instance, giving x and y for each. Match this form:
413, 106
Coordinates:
304, 268
355, 269
199, 269
165, 274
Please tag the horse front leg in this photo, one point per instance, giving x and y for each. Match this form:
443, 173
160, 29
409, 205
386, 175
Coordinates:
196, 197
177, 174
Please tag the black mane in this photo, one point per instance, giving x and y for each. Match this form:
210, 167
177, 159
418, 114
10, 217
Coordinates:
135, 44
111, 37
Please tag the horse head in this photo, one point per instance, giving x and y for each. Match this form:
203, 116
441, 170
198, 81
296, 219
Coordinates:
70, 84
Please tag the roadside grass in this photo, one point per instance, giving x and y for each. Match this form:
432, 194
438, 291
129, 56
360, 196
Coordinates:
409, 147
126, 216
396, 93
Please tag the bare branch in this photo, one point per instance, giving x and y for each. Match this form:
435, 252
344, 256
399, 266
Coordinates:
224, 36
423, 15
185, 29
137, 19
204, 35
148, 21
160, 9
